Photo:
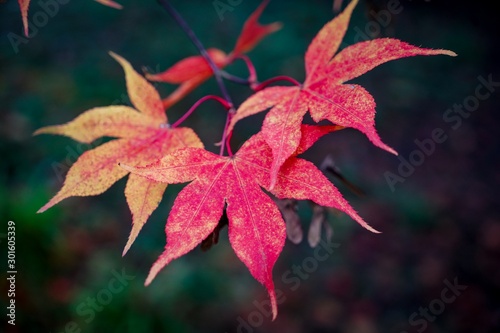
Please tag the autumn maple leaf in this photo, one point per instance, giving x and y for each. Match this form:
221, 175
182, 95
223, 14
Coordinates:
193, 71
253, 32
189, 73
256, 227
143, 137
324, 93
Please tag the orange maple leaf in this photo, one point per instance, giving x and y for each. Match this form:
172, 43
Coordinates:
143, 137
193, 71
256, 227
324, 93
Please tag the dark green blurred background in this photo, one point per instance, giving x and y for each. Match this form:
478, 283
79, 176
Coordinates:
442, 223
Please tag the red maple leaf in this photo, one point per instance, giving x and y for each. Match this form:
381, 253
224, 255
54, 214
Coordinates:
256, 227
189, 73
324, 93
143, 137
193, 71
253, 32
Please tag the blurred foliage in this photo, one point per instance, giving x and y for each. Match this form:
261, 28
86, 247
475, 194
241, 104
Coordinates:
441, 223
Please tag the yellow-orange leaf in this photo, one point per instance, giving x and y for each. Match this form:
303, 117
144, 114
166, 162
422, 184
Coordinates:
112, 121
143, 137
96, 170
142, 94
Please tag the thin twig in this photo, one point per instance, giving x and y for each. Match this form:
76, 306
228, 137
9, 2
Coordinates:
203, 51
275, 79
195, 106
235, 78
251, 68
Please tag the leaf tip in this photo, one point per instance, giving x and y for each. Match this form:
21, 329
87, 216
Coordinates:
124, 63
110, 3
441, 52
450, 53
133, 235
162, 261
24, 6
275, 312
44, 208
114, 55
152, 274
125, 250
366, 225
47, 130
380, 144
274, 304
38, 131
275, 26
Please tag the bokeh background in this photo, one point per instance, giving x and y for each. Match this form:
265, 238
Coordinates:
441, 224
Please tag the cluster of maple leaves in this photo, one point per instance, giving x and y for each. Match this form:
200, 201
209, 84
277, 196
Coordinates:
155, 153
